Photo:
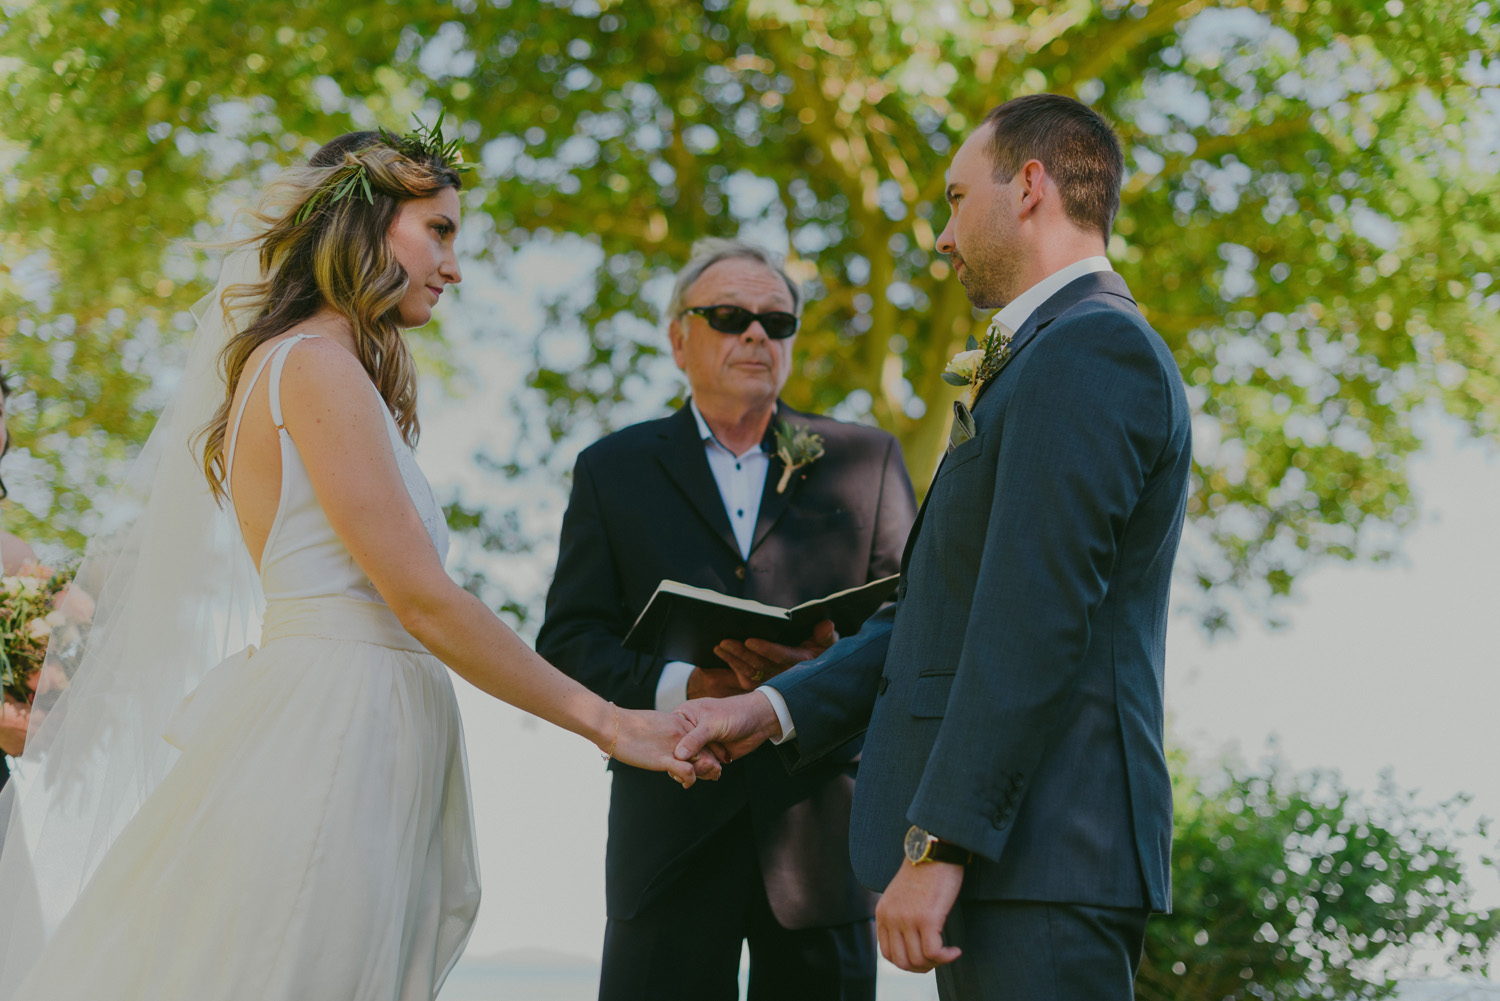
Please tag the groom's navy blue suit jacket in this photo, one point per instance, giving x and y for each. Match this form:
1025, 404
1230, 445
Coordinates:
1013, 693
645, 508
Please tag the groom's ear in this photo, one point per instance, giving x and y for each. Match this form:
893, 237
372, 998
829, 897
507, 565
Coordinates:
1033, 184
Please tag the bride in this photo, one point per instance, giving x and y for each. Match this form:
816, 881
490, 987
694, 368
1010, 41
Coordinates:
304, 829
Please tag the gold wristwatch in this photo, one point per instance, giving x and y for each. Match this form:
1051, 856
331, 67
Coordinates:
924, 847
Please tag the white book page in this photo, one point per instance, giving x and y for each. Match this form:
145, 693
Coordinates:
719, 598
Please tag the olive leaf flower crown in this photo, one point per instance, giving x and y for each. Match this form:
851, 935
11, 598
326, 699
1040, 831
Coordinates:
425, 142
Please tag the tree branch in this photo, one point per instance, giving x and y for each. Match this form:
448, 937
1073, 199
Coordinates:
1126, 34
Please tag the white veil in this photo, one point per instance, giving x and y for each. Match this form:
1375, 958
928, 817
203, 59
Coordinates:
175, 593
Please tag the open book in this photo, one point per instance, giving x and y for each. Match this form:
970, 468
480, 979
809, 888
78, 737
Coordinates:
682, 622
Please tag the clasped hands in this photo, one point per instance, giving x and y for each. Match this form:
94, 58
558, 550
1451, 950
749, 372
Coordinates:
726, 720
656, 740
912, 912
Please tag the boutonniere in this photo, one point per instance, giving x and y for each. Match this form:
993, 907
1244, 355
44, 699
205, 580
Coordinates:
796, 446
974, 366
979, 363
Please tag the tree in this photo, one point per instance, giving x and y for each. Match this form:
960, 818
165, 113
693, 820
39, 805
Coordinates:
1292, 886
1309, 216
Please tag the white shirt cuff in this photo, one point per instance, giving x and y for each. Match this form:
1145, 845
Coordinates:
783, 715
671, 689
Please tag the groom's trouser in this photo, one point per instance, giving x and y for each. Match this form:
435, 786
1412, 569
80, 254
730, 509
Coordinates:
1025, 951
686, 944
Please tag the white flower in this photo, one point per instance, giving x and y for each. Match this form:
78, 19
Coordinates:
12, 586
30, 586
38, 629
965, 364
55, 619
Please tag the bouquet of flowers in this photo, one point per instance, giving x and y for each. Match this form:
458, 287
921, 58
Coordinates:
36, 609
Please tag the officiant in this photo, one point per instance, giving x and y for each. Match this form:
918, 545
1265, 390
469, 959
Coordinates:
703, 497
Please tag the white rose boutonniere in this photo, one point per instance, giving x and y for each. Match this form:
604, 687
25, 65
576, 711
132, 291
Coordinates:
963, 367
973, 367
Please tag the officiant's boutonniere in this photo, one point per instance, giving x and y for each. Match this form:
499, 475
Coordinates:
974, 366
796, 446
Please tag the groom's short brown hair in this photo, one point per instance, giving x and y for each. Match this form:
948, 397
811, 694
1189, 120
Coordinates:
1076, 145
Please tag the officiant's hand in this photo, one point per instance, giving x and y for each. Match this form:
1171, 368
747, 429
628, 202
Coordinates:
728, 728
757, 661
715, 683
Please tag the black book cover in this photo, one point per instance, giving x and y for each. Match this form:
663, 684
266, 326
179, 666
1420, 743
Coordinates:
682, 622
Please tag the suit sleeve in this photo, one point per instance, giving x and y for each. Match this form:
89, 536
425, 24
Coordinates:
586, 614
830, 698
893, 515
1084, 427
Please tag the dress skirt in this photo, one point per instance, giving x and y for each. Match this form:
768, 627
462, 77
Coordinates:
314, 841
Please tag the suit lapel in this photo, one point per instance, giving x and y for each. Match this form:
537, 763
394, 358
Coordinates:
772, 504
1062, 300
1065, 298
916, 525
685, 462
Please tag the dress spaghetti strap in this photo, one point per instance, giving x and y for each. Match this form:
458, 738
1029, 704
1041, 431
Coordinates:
277, 360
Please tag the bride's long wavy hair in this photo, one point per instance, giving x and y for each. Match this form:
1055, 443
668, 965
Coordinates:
335, 254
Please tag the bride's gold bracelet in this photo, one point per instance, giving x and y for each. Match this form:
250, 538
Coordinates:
616, 742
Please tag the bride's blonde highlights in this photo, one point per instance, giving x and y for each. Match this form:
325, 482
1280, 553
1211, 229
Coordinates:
338, 255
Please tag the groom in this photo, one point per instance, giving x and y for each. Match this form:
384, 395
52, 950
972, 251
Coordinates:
1013, 802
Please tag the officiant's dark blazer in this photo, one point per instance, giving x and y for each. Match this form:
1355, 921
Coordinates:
645, 508
1013, 693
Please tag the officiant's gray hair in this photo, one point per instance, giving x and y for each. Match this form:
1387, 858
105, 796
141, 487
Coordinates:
710, 251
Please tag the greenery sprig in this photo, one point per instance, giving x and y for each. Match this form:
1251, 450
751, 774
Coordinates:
796, 445
422, 143
426, 142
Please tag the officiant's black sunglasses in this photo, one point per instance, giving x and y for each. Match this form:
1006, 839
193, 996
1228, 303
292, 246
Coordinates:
736, 320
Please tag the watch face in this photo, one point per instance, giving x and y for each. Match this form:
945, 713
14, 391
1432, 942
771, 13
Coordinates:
916, 843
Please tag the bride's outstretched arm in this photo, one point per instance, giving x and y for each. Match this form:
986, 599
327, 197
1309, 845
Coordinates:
334, 415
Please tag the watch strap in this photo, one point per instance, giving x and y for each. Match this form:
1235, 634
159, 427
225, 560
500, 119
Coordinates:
944, 851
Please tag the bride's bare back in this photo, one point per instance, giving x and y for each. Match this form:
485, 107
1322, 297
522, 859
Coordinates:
341, 429
255, 478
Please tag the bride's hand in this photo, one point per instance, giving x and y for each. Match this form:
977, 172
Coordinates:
648, 739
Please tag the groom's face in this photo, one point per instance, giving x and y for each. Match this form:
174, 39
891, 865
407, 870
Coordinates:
981, 238
743, 370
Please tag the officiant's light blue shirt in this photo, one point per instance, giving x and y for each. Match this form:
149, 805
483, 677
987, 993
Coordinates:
741, 480
1013, 316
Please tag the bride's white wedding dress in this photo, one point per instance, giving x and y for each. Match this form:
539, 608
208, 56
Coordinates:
314, 841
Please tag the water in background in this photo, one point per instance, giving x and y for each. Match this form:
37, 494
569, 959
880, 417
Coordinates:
549, 976
555, 976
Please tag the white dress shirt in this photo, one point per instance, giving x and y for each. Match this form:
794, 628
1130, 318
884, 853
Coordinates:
741, 480
1014, 315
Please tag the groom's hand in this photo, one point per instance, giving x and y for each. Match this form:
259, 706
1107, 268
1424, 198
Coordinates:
729, 728
910, 916
757, 661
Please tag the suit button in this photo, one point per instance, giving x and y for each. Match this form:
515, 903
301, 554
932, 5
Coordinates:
739, 571
884, 684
